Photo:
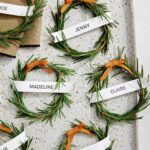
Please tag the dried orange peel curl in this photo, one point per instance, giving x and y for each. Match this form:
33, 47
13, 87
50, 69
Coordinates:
114, 63
5, 129
69, 2
38, 63
81, 128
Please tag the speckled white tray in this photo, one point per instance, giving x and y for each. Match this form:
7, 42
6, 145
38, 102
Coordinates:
47, 137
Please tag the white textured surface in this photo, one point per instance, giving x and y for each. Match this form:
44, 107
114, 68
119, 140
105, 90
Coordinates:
142, 28
47, 137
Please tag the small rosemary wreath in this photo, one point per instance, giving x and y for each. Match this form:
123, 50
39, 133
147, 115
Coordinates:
99, 79
60, 18
52, 109
15, 35
13, 131
80, 127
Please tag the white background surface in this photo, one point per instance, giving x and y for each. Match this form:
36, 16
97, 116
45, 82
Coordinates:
47, 137
142, 28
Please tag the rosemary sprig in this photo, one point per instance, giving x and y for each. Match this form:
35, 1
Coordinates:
52, 109
97, 85
16, 34
61, 73
100, 46
99, 133
15, 132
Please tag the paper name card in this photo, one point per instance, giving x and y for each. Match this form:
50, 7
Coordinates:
81, 28
118, 90
42, 87
16, 10
102, 145
15, 142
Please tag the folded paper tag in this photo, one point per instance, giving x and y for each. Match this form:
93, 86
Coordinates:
15, 10
102, 145
15, 142
42, 87
118, 90
82, 28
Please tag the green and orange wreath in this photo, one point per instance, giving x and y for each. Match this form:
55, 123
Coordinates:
60, 18
99, 79
60, 100
13, 131
90, 130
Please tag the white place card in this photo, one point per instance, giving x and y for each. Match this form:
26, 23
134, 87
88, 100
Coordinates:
15, 142
16, 10
42, 87
81, 28
118, 90
102, 145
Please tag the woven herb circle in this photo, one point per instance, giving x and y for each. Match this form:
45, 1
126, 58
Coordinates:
16, 34
97, 10
60, 100
13, 131
99, 80
90, 130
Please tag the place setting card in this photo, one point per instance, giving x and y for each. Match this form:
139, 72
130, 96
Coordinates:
118, 90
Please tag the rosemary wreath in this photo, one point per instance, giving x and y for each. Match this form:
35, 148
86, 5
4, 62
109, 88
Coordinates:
99, 79
80, 127
60, 18
52, 109
15, 35
13, 131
